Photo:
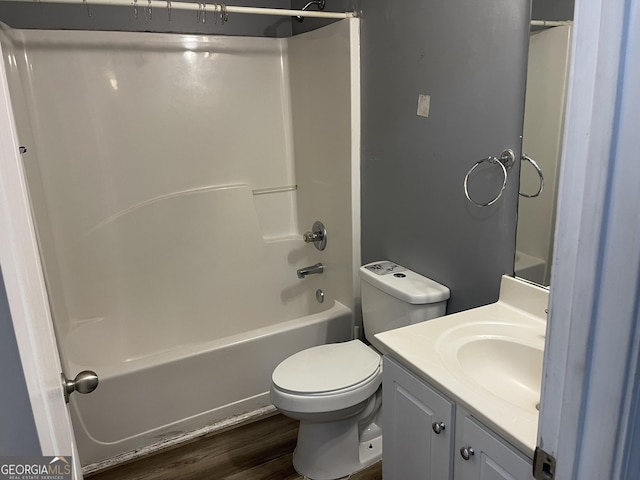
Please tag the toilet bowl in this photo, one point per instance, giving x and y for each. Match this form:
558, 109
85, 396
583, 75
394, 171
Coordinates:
335, 390
334, 405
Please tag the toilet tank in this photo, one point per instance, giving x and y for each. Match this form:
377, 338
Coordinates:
394, 296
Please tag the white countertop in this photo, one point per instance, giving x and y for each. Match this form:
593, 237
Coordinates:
487, 359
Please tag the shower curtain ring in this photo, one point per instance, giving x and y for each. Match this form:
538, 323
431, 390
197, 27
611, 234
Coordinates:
135, 9
215, 13
224, 16
148, 11
83, 1
204, 12
200, 14
169, 9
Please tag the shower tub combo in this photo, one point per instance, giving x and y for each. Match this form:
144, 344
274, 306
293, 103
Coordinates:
170, 208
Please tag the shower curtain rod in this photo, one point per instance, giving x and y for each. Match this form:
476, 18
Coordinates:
550, 23
195, 6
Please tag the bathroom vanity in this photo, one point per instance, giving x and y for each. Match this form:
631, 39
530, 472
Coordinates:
460, 392
428, 436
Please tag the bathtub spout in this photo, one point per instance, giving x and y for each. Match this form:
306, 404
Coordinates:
317, 268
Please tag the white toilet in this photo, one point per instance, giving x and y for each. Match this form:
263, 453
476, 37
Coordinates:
335, 389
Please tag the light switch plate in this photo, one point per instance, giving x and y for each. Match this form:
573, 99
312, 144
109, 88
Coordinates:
424, 102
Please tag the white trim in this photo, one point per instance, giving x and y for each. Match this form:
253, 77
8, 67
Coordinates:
27, 295
356, 122
587, 378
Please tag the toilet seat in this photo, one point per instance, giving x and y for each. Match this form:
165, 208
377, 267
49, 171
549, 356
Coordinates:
326, 378
327, 368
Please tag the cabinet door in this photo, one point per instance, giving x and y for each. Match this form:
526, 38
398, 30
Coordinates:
411, 448
492, 458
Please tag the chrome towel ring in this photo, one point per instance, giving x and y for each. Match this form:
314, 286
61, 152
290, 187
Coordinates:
537, 169
506, 161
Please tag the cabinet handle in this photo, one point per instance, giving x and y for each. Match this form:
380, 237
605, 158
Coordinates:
466, 453
438, 427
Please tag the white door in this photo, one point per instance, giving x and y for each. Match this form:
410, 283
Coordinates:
591, 387
27, 295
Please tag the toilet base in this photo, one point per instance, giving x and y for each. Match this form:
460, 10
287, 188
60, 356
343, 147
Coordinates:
328, 451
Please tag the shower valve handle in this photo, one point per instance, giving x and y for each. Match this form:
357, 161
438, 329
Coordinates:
317, 236
310, 237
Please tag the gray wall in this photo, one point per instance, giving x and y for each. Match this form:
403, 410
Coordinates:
552, 9
17, 428
540, 10
414, 210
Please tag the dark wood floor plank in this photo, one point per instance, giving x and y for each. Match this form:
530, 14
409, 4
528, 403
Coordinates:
281, 468
374, 472
260, 450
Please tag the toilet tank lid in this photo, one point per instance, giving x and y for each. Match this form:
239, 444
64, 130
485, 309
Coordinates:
402, 283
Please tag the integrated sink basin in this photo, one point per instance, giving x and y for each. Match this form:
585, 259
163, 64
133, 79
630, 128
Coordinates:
511, 371
503, 359
488, 359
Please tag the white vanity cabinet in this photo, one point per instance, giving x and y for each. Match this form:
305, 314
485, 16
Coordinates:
417, 425
481, 455
428, 437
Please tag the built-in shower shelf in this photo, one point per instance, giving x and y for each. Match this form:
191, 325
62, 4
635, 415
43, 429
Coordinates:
277, 212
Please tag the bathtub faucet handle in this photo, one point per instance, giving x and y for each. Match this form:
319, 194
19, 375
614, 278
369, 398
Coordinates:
317, 268
317, 235
309, 237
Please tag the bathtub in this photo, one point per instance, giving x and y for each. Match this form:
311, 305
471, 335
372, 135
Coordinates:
184, 320
148, 399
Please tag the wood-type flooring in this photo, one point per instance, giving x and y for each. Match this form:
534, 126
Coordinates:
261, 450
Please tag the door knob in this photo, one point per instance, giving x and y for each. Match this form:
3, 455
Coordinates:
85, 382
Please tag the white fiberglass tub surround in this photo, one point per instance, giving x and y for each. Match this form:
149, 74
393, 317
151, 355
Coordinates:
171, 178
